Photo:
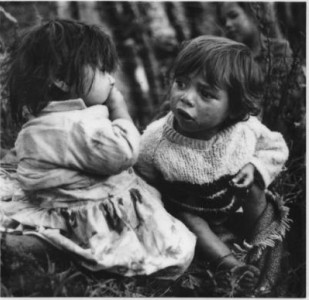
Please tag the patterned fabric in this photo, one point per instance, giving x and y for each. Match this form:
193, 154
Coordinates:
205, 198
127, 233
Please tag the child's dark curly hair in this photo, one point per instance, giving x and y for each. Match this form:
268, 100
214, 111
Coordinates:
224, 64
56, 50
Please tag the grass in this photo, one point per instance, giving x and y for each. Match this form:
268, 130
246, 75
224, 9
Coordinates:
23, 275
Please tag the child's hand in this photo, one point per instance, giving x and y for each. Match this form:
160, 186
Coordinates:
117, 106
244, 178
114, 99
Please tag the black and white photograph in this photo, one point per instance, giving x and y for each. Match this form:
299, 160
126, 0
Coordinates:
153, 149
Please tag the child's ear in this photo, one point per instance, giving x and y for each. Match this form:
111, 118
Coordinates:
62, 85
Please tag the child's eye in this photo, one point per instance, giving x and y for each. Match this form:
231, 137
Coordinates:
205, 93
181, 83
233, 15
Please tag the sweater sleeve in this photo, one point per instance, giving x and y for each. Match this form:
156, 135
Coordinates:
150, 140
103, 146
271, 151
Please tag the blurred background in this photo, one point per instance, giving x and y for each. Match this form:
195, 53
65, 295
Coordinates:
147, 36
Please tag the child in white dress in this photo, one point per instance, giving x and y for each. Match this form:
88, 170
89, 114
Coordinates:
75, 158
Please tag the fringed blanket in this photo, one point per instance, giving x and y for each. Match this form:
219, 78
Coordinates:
265, 247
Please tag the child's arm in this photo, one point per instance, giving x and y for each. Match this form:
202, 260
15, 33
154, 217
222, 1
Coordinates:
102, 145
117, 106
271, 153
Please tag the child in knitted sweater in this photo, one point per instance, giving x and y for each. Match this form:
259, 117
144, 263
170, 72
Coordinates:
210, 155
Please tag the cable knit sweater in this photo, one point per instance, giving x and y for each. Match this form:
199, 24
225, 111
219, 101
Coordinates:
197, 172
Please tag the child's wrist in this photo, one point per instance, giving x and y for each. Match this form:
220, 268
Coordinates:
258, 179
119, 112
117, 106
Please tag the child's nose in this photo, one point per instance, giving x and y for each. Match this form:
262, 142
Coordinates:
187, 98
228, 23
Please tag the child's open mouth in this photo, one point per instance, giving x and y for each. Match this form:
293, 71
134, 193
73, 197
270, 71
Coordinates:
184, 115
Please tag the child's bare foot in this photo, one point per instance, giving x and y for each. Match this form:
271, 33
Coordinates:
230, 270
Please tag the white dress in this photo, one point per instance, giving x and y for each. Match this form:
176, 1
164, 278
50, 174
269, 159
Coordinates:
111, 220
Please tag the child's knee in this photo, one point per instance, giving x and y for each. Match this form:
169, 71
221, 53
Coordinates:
28, 244
23, 243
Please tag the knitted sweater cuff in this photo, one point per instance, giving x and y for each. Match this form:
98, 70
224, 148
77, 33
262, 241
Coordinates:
263, 172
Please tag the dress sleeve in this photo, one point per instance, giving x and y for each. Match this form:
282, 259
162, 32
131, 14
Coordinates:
145, 166
271, 152
102, 146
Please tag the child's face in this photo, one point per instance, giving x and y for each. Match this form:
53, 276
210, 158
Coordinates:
199, 109
239, 26
100, 89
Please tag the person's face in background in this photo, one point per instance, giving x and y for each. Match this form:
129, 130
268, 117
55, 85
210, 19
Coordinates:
239, 26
